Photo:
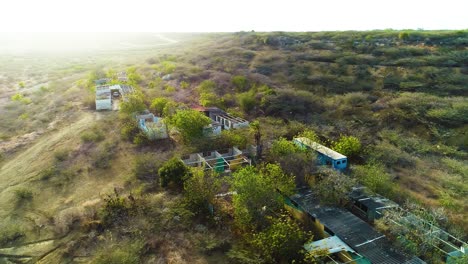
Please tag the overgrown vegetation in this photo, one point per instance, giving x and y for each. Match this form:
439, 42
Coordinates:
393, 102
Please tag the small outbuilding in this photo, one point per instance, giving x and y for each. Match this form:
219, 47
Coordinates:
154, 127
103, 98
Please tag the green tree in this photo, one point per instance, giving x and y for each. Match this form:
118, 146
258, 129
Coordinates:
281, 242
158, 104
258, 193
200, 190
247, 101
347, 145
374, 177
240, 83
206, 86
293, 160
310, 134
134, 104
173, 172
282, 147
189, 123
332, 187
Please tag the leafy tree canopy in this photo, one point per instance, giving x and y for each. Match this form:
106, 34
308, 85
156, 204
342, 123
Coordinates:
189, 123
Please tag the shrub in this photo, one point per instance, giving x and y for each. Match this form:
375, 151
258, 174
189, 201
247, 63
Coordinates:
158, 104
116, 209
184, 85
23, 194
20, 98
128, 253
247, 101
347, 145
93, 135
374, 177
61, 155
134, 104
258, 194
10, 234
281, 242
240, 83
333, 187
173, 172
200, 190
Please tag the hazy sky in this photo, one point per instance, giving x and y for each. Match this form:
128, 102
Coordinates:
233, 15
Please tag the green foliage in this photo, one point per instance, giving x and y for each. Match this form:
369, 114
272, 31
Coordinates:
10, 234
283, 147
257, 193
200, 190
134, 104
247, 101
116, 209
173, 172
240, 83
61, 155
168, 66
333, 187
94, 135
347, 145
184, 85
189, 123
403, 35
23, 194
281, 242
20, 98
206, 86
158, 104
24, 116
209, 99
21, 84
128, 253
310, 134
128, 128
374, 177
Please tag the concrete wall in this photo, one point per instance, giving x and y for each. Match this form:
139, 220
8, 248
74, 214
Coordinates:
104, 104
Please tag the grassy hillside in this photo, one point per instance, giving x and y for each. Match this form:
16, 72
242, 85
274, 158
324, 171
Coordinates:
75, 187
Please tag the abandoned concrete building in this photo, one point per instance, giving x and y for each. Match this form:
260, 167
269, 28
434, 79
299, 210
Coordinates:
122, 77
347, 238
326, 156
218, 160
103, 98
105, 94
154, 127
220, 120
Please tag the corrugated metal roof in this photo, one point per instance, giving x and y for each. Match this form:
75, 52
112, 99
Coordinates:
320, 148
358, 234
332, 244
372, 202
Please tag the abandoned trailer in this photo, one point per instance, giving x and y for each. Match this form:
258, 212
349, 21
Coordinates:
326, 156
